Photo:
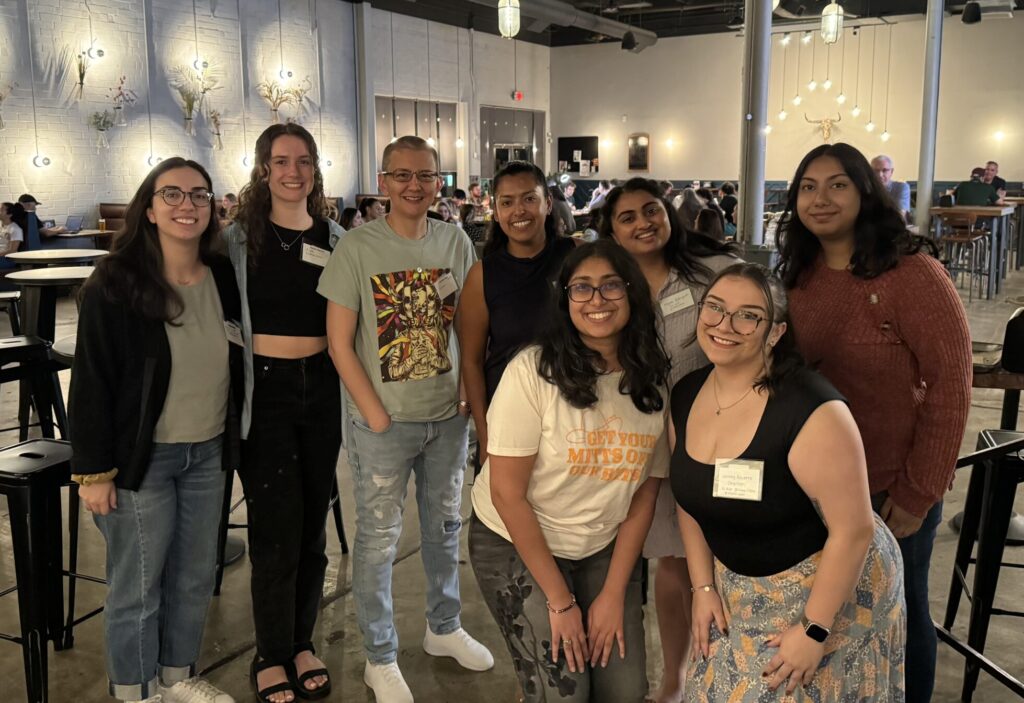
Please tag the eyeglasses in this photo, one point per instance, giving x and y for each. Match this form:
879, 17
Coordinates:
743, 322
584, 292
174, 196
407, 176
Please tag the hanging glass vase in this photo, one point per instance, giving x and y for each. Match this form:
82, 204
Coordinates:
119, 118
274, 117
101, 139
2, 125
218, 145
79, 90
190, 127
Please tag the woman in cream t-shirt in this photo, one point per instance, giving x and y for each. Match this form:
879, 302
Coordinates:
576, 454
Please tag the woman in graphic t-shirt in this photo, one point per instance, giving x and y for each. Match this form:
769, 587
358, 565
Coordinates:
575, 457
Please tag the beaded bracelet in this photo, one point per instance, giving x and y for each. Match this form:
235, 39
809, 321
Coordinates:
707, 588
559, 611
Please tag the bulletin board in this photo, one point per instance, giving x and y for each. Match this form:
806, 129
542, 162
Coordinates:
574, 151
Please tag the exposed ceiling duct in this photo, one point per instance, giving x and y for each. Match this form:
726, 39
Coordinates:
546, 12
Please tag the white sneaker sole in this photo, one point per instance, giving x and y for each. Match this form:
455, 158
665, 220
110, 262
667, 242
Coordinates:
426, 648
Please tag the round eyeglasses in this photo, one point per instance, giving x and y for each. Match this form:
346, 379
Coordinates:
743, 322
173, 196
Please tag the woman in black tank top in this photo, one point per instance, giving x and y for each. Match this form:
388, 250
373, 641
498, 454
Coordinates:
796, 582
506, 292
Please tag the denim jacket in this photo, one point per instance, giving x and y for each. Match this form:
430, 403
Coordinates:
239, 253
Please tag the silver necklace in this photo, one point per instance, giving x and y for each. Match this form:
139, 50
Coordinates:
290, 244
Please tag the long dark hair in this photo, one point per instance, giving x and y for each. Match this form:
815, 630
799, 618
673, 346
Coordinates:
133, 273
568, 363
685, 247
254, 203
784, 357
496, 238
880, 232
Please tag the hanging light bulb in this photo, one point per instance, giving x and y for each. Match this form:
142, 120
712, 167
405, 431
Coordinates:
827, 85
40, 161
797, 100
153, 159
783, 115
841, 98
832, 22
430, 141
870, 126
459, 143
855, 111
812, 85
786, 38
885, 136
508, 18
394, 139
806, 39
767, 129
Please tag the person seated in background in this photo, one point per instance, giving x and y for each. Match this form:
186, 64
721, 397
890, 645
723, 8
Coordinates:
569, 189
227, 206
666, 190
29, 203
565, 223
598, 195
11, 235
351, 218
728, 202
689, 206
371, 209
898, 190
992, 178
445, 211
976, 191
711, 222
475, 229
459, 199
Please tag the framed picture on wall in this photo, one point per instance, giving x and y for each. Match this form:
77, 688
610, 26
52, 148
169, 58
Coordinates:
639, 152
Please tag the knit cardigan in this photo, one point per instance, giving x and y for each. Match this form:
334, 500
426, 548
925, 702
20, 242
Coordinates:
899, 348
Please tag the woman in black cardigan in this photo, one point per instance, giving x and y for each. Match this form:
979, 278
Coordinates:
155, 389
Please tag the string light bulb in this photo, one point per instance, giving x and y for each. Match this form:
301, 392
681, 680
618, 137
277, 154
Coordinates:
870, 126
797, 100
885, 136
827, 85
786, 38
783, 115
841, 98
459, 143
855, 111
812, 85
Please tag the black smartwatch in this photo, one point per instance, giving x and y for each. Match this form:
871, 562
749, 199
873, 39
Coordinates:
818, 633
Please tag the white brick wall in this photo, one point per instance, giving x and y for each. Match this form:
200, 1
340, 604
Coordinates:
81, 176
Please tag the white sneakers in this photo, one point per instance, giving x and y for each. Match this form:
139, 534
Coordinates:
387, 683
194, 690
469, 653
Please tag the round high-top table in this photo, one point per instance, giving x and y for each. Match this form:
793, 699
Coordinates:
52, 257
39, 299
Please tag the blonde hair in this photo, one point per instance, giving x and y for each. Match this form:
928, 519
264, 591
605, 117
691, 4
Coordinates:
408, 143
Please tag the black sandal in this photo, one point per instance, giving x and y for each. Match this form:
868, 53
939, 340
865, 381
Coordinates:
263, 695
299, 682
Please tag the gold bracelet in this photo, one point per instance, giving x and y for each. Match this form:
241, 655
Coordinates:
707, 588
89, 479
559, 611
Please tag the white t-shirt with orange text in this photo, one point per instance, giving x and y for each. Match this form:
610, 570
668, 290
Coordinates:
589, 463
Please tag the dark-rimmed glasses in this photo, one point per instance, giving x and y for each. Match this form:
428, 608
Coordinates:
743, 322
584, 292
173, 196
407, 176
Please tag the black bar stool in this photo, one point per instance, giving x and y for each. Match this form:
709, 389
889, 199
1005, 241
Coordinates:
29, 359
9, 300
31, 476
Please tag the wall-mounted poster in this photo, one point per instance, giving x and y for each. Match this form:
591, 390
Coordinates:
584, 168
575, 150
639, 152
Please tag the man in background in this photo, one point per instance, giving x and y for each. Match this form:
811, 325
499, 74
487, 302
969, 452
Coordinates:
992, 178
975, 191
898, 190
29, 202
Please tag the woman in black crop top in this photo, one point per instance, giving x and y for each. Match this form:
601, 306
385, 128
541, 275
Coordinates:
291, 424
506, 292
787, 559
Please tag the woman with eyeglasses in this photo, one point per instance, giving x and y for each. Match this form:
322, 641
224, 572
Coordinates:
677, 263
156, 390
796, 583
576, 452
291, 422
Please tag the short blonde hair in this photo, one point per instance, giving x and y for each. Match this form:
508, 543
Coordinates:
408, 143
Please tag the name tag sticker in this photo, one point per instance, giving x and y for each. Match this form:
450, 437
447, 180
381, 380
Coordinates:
315, 255
738, 479
677, 302
233, 332
445, 286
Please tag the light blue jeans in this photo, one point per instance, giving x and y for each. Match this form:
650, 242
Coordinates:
381, 465
161, 563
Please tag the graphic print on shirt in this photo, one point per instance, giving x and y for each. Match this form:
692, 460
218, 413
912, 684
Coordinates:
413, 324
607, 453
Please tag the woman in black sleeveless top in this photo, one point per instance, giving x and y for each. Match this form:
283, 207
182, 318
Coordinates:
796, 583
505, 293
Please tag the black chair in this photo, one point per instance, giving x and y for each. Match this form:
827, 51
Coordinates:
997, 470
29, 360
31, 476
9, 300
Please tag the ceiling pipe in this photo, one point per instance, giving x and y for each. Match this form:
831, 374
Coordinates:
565, 15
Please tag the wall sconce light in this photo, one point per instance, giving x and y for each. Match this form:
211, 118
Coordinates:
41, 161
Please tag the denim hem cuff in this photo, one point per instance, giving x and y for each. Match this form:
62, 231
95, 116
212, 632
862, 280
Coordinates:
445, 628
170, 675
389, 658
133, 692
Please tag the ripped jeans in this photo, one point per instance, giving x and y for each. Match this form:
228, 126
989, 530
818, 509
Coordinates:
381, 464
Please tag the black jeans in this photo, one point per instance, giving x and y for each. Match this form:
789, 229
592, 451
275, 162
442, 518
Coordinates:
288, 468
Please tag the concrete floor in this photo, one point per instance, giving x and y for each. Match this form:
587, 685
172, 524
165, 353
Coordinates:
78, 675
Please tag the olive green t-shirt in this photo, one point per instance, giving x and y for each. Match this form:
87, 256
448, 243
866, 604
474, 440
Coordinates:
197, 395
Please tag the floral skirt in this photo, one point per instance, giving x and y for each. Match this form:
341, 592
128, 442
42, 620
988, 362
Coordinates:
864, 653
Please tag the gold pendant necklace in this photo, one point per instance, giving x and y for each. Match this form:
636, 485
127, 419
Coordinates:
714, 389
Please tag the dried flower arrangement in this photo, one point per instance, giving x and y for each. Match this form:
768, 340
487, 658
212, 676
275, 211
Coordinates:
214, 117
121, 96
4, 93
192, 86
82, 63
101, 122
277, 95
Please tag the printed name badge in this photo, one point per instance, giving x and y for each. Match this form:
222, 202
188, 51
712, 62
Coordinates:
738, 479
233, 332
315, 255
445, 286
677, 302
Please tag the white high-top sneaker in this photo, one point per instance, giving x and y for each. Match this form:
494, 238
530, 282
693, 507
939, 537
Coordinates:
387, 683
194, 690
459, 645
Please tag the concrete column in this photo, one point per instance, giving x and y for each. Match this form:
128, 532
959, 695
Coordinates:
365, 98
756, 69
929, 114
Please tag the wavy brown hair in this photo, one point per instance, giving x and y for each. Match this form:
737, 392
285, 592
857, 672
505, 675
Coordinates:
254, 201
